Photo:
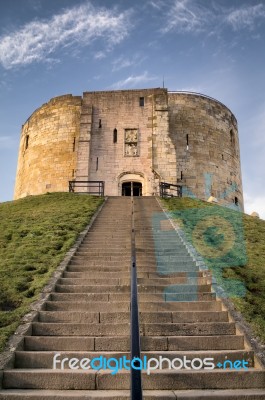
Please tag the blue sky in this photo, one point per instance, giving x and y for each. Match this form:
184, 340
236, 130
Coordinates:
215, 47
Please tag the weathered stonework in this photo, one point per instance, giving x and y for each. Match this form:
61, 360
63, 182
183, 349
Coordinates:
145, 136
47, 153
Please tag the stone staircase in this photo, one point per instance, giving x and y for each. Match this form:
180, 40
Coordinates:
88, 315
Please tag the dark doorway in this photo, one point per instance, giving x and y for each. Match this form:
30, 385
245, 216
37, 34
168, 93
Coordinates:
136, 187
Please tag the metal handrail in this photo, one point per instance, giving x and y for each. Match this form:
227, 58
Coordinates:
90, 187
170, 190
136, 378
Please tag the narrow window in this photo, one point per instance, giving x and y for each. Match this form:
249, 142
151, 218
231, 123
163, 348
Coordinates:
187, 141
97, 164
74, 144
27, 142
222, 156
73, 173
236, 201
99, 123
115, 135
232, 139
181, 175
141, 101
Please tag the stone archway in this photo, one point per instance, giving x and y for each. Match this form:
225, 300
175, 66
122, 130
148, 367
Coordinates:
138, 180
131, 188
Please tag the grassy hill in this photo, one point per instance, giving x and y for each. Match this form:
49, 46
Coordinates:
35, 234
233, 246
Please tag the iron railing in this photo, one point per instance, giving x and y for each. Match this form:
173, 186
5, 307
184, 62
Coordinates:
136, 378
89, 187
170, 190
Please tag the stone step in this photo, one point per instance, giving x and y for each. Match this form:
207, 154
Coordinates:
232, 394
76, 297
13, 394
122, 343
103, 275
70, 329
188, 329
143, 297
96, 306
176, 380
182, 282
162, 282
121, 316
90, 281
174, 297
84, 289
106, 268
95, 297
180, 306
142, 288
101, 252
109, 257
142, 268
46, 359
94, 262
142, 277
158, 251
121, 329
172, 264
101, 244
157, 380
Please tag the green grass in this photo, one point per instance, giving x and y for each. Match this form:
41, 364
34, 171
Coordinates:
35, 234
245, 262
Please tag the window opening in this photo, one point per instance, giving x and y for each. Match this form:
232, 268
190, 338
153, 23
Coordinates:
115, 135
27, 142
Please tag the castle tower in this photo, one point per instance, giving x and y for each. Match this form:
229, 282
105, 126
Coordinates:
132, 139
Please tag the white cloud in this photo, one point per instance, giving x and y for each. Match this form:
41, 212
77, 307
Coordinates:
99, 55
255, 203
158, 4
133, 81
123, 62
191, 16
187, 16
192, 89
77, 26
246, 17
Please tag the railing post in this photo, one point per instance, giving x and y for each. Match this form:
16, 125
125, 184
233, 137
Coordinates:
136, 379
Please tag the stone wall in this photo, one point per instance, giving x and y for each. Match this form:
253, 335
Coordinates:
129, 156
205, 136
146, 136
48, 147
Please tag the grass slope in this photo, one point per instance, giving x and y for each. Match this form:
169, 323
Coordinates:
35, 234
249, 238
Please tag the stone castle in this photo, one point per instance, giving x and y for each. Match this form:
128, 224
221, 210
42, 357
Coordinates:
132, 139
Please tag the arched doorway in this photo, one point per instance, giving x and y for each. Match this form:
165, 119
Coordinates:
131, 188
